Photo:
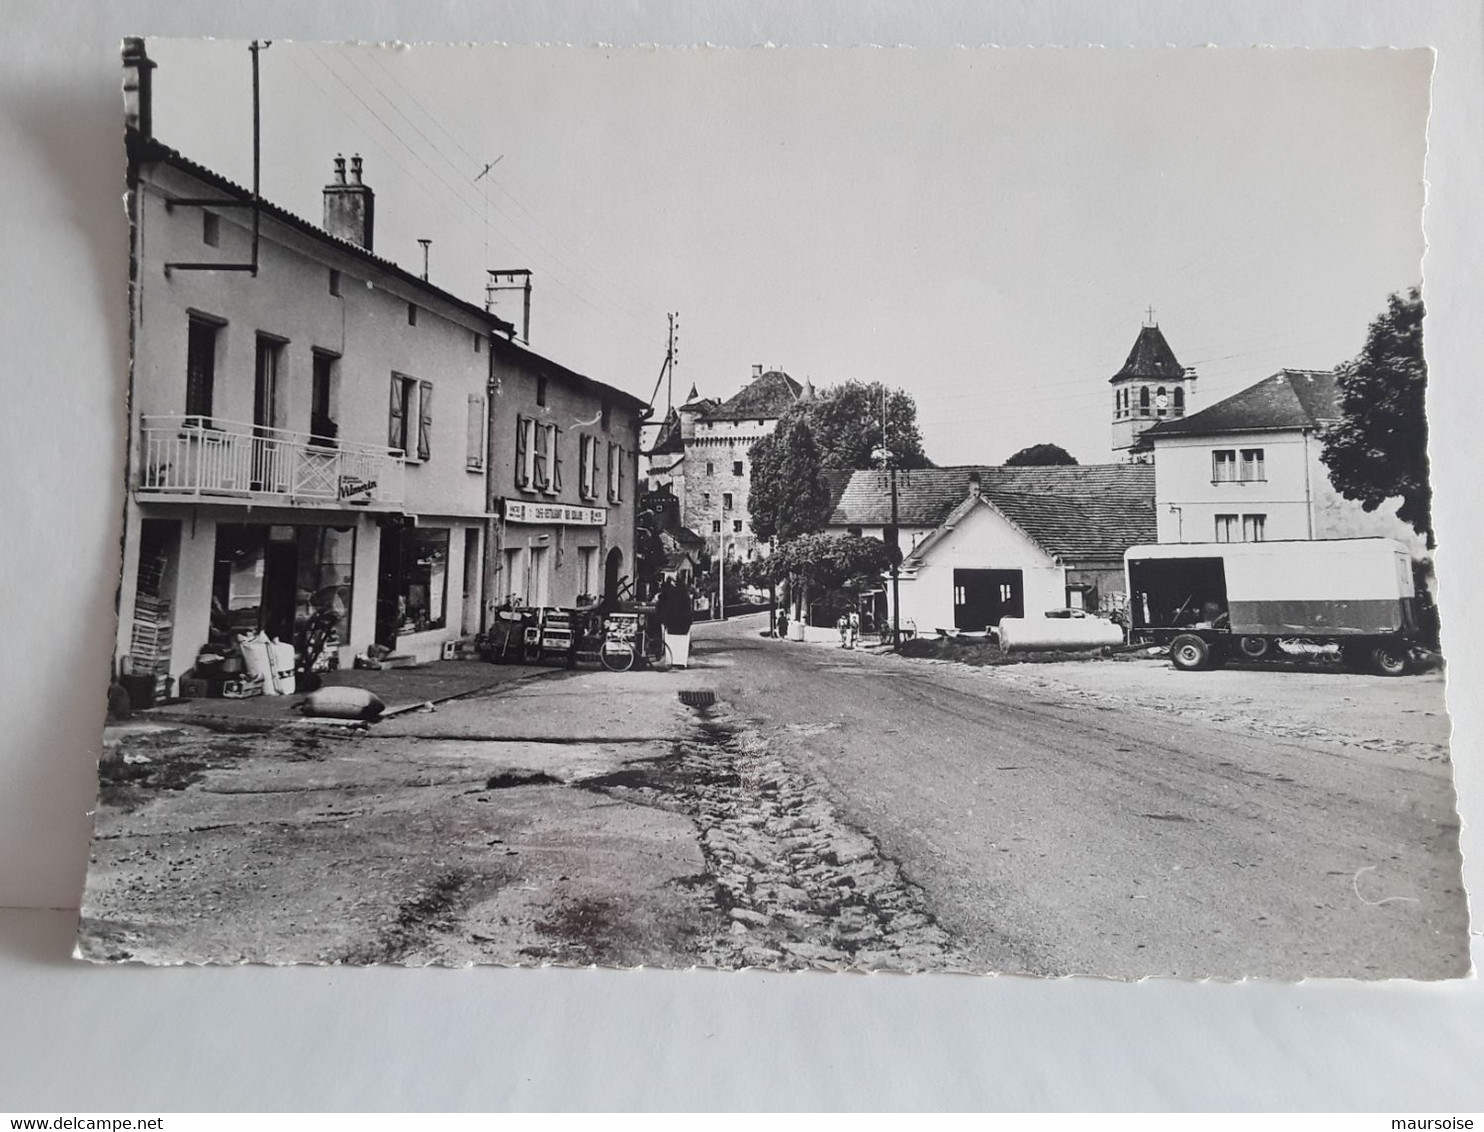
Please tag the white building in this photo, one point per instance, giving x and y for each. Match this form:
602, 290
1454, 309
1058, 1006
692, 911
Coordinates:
981, 543
1248, 469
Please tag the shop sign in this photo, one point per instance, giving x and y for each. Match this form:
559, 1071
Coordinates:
518, 511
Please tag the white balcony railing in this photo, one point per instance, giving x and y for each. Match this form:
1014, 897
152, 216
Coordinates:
226, 459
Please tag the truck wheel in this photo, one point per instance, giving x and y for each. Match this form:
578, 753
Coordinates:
1189, 653
1254, 648
1389, 660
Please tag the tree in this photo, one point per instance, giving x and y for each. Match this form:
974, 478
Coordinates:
831, 568
654, 514
846, 420
1040, 456
787, 495
1378, 449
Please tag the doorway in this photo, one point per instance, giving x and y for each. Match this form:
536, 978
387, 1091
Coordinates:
470, 620
982, 597
611, 566
389, 587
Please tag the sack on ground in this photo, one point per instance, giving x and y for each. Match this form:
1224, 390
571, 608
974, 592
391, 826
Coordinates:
281, 661
343, 703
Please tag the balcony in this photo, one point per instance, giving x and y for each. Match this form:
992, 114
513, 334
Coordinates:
225, 461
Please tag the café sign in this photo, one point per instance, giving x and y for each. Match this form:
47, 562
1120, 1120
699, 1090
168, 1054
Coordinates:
562, 514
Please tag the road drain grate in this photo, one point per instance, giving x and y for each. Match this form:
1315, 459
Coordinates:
697, 697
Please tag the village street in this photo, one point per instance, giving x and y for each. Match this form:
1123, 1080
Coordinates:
811, 807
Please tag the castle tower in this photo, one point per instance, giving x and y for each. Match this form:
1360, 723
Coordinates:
1151, 387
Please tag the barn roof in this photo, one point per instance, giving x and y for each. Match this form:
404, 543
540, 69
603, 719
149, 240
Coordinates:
1094, 511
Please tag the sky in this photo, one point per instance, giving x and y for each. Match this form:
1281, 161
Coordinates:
985, 229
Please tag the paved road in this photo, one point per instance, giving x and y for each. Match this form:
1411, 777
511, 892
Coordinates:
1058, 833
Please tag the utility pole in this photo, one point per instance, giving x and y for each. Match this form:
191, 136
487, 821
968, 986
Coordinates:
888, 458
721, 579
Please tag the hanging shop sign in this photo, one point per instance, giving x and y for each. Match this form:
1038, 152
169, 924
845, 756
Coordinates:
518, 511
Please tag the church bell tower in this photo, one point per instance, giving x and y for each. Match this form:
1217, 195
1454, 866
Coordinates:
1151, 387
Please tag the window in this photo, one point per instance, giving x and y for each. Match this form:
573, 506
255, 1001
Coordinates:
737, 526
705, 499
424, 580
588, 466
323, 394
855, 532
726, 501
549, 458
1161, 400
515, 576
541, 391
1226, 528
1224, 465
410, 419
478, 340
411, 314
211, 229
1179, 401
1143, 400
1253, 527
1252, 465
716, 526
736, 467
615, 473
474, 440
201, 365
587, 571
710, 469
334, 282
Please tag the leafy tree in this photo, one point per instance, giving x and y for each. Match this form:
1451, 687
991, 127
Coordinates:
832, 567
846, 420
1040, 456
787, 496
1378, 449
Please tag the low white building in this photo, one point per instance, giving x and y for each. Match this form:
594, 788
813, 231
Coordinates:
981, 543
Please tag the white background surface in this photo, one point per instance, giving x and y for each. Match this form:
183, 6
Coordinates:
79, 1038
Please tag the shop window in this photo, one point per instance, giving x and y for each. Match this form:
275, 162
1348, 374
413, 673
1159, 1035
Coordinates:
201, 350
1254, 527
1224, 465
1252, 465
423, 590
1226, 528
211, 229
280, 579
323, 397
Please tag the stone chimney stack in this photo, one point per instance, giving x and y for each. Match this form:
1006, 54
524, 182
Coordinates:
350, 207
975, 487
138, 87
757, 370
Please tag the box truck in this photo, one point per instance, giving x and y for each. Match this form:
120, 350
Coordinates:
1210, 602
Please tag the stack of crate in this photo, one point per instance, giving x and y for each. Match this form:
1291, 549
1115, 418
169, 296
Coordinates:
149, 646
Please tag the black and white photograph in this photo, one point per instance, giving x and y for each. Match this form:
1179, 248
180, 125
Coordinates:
850, 509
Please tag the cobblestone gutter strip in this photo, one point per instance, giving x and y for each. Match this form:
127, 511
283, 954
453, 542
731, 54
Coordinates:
798, 887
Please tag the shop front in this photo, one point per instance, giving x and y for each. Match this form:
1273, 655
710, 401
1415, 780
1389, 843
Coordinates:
427, 590
554, 555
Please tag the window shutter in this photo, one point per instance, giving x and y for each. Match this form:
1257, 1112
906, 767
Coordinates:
521, 478
584, 466
395, 437
541, 462
556, 458
618, 498
425, 420
475, 458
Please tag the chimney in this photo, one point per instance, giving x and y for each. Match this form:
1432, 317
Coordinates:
138, 87
974, 485
350, 208
757, 371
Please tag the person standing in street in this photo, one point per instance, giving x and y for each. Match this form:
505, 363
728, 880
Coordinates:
674, 607
855, 629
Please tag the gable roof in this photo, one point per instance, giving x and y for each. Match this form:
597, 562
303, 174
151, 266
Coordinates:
1093, 511
1290, 399
764, 397
1151, 358
668, 441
